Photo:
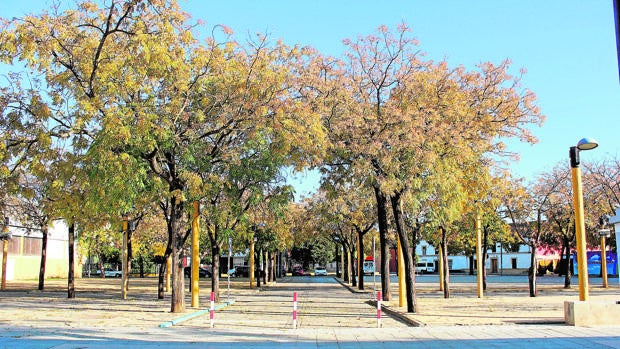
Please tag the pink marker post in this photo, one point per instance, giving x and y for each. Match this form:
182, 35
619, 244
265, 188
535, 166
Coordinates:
212, 310
378, 309
294, 309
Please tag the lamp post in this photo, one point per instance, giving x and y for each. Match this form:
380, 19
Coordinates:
229, 266
251, 261
582, 262
124, 256
604, 233
5, 236
195, 262
479, 261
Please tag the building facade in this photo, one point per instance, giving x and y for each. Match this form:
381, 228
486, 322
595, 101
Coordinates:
24, 252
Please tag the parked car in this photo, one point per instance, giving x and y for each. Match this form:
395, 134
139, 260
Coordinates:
239, 270
320, 271
202, 272
369, 267
425, 266
298, 271
109, 273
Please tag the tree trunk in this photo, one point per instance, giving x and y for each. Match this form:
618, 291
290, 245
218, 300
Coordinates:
404, 243
141, 264
43, 257
360, 258
129, 257
162, 279
446, 265
163, 270
215, 279
265, 267
178, 279
531, 274
274, 266
71, 275
337, 259
258, 269
385, 249
101, 267
345, 267
568, 270
353, 266
268, 266
471, 265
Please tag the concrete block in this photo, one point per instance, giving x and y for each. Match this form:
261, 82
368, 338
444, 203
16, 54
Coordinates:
592, 313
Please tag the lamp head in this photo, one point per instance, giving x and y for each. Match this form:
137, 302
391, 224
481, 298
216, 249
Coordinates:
587, 144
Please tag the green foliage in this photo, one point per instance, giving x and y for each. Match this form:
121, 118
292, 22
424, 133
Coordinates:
322, 251
319, 250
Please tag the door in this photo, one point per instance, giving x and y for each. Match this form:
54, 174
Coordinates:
493, 265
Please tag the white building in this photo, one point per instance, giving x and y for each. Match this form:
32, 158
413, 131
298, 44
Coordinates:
24, 252
498, 262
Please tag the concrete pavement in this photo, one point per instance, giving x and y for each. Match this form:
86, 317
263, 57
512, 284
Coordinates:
330, 316
510, 336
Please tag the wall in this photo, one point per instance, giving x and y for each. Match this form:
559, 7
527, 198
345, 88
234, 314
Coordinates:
24, 257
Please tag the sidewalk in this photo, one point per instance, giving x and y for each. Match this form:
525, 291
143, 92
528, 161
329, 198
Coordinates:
320, 305
329, 316
501, 304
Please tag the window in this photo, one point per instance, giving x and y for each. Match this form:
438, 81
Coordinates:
514, 263
424, 250
31, 246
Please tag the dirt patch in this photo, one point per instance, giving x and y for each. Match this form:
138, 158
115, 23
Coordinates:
500, 305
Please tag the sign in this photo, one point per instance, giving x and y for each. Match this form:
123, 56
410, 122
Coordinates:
594, 263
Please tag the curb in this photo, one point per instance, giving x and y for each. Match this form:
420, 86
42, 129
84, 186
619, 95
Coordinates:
193, 315
351, 289
398, 315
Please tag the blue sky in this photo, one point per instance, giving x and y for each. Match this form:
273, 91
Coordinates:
568, 48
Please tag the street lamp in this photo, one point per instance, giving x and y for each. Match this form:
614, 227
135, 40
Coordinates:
5, 236
583, 144
603, 234
229, 266
125, 256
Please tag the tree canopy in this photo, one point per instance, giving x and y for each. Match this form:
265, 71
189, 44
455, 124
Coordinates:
125, 109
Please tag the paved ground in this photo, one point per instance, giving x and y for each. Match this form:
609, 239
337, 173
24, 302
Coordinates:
329, 316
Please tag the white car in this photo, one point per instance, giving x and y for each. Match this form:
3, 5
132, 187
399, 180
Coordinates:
369, 268
320, 271
110, 273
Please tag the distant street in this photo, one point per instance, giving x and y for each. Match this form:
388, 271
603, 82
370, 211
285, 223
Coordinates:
510, 279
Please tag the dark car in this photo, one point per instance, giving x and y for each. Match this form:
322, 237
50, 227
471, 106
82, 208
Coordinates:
202, 272
298, 271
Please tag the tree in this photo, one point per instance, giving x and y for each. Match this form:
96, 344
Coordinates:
141, 86
602, 191
322, 251
403, 124
561, 217
603, 179
352, 205
527, 210
33, 207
